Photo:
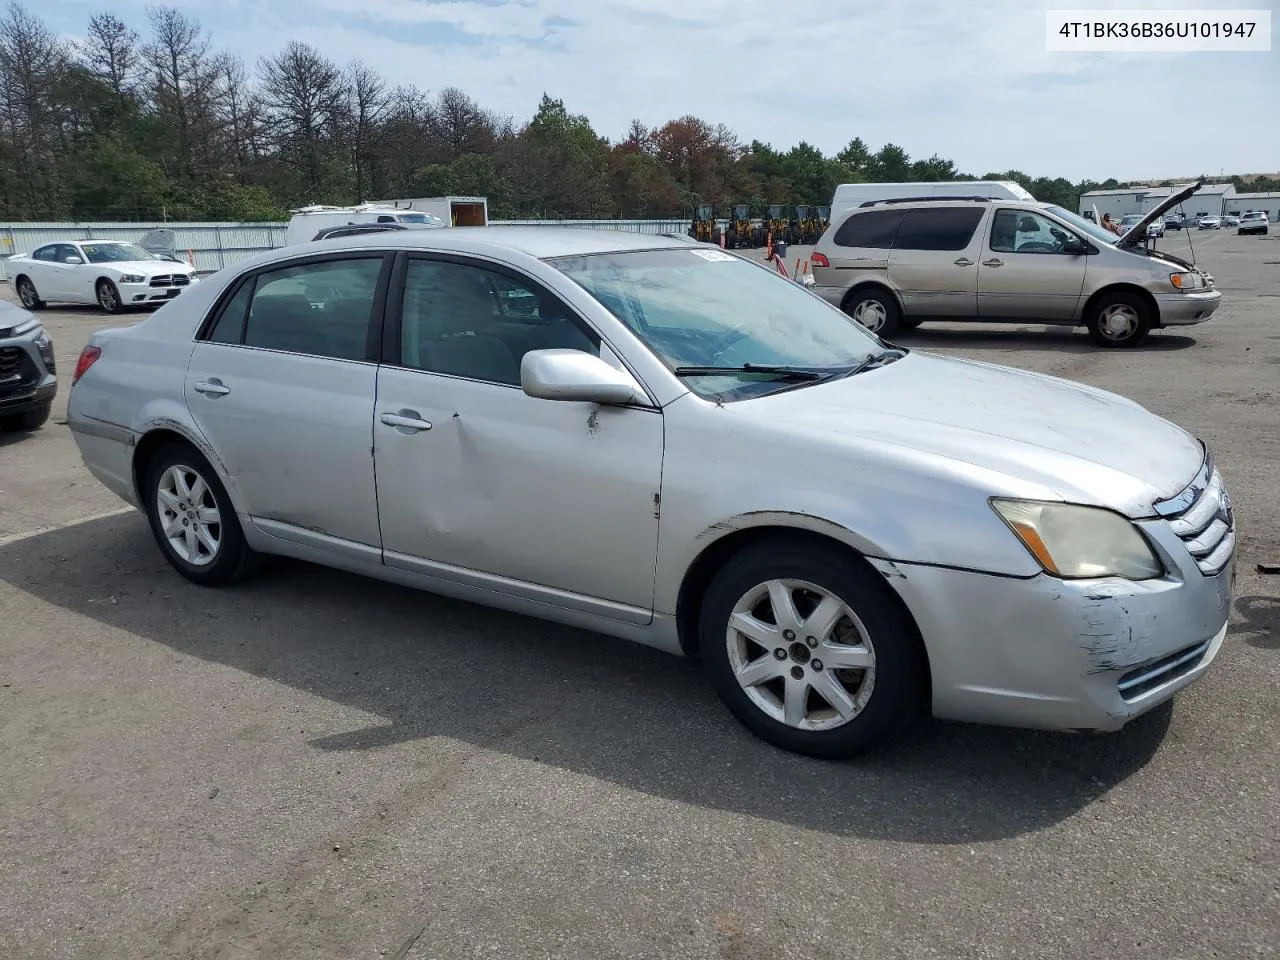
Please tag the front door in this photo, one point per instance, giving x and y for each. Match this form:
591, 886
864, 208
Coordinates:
282, 386
1024, 273
934, 262
479, 482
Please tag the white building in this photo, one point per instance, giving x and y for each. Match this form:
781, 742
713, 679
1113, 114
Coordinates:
1212, 198
1270, 202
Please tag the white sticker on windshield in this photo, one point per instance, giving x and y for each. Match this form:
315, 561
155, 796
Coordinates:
715, 256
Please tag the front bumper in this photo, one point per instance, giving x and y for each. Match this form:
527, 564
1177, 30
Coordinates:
144, 292
1179, 309
26, 382
1065, 655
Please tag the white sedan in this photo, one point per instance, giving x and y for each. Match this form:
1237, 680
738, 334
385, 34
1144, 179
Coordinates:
111, 273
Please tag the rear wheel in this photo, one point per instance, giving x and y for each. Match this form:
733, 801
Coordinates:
108, 296
875, 309
1119, 320
807, 648
27, 294
193, 519
29, 420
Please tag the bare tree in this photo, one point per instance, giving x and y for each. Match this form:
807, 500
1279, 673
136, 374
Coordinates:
461, 126
177, 58
112, 52
32, 63
305, 94
368, 108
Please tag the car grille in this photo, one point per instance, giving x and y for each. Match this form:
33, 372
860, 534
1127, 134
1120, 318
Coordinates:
171, 280
1202, 517
17, 372
1146, 678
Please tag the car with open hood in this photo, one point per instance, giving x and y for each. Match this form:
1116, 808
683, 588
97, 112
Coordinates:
671, 444
114, 274
895, 264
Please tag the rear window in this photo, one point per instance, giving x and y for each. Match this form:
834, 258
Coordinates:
875, 229
938, 228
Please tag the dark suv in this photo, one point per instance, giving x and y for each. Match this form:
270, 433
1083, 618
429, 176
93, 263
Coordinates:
27, 376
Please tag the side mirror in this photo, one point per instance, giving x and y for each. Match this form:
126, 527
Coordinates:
1075, 247
576, 375
72, 260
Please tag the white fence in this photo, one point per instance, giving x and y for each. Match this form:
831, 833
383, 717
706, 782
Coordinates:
212, 246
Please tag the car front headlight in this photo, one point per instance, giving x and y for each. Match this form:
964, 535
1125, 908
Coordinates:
1078, 542
132, 278
1187, 281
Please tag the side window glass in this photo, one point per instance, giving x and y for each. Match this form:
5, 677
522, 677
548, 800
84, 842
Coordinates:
67, 250
938, 228
43, 253
875, 229
229, 327
386, 219
1018, 231
468, 321
322, 309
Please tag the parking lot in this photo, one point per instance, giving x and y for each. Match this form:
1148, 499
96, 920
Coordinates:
314, 765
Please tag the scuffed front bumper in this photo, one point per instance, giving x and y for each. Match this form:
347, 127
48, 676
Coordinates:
1065, 655
1177, 309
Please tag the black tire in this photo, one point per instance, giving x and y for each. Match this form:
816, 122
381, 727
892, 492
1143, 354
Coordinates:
108, 296
1138, 311
897, 692
909, 323
715, 236
731, 239
861, 307
28, 420
27, 294
234, 559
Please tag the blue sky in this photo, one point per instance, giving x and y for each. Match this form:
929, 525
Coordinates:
970, 81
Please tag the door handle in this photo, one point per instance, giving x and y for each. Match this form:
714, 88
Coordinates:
964, 262
212, 387
406, 420
993, 262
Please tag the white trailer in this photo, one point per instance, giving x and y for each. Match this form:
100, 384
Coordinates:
855, 194
454, 211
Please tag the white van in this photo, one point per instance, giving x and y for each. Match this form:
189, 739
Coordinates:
306, 222
855, 194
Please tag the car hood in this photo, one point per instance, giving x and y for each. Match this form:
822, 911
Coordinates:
1063, 439
1138, 232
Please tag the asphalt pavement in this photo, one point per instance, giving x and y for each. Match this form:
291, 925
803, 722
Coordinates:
312, 765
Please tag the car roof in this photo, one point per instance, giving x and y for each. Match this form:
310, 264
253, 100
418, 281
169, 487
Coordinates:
540, 242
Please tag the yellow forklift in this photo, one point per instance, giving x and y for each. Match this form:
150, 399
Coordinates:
824, 220
778, 225
810, 225
704, 224
739, 233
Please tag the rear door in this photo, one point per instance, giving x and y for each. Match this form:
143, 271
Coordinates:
1024, 273
282, 385
859, 248
40, 270
934, 261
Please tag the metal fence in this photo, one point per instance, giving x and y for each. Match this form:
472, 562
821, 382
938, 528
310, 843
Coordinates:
212, 246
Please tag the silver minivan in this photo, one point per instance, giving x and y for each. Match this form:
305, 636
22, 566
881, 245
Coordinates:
898, 263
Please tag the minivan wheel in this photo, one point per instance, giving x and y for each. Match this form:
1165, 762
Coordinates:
876, 310
1119, 320
806, 648
193, 519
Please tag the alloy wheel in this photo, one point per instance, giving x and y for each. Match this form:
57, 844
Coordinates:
801, 654
107, 297
189, 515
27, 293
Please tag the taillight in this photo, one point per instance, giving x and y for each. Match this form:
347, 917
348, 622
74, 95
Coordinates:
819, 260
87, 358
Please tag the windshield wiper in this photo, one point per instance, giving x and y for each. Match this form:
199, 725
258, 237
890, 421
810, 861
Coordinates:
872, 360
790, 373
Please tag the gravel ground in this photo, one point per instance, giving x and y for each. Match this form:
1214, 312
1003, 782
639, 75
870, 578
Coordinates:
317, 766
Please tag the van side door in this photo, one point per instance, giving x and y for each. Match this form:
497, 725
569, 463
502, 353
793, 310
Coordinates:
934, 261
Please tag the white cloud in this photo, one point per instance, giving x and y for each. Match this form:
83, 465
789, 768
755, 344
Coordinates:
972, 82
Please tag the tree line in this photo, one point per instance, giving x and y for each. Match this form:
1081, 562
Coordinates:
160, 124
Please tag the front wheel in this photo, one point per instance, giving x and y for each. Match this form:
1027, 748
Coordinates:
108, 296
876, 310
27, 294
193, 519
808, 649
1119, 320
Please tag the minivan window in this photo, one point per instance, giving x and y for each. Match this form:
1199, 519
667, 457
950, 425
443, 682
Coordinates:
938, 228
1020, 231
875, 229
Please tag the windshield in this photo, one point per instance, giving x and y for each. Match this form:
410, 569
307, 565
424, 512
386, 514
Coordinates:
1095, 232
115, 252
419, 218
707, 308
1130, 220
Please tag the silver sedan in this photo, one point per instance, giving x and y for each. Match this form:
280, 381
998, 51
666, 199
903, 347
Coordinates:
667, 443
